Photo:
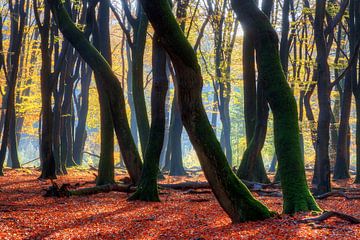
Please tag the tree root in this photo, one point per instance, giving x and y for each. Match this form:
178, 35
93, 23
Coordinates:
338, 194
328, 214
67, 190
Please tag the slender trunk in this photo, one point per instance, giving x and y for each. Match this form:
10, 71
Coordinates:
80, 132
142, 120
101, 34
111, 85
18, 18
341, 169
176, 128
323, 87
147, 189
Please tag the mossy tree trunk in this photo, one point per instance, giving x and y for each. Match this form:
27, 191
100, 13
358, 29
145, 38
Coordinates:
297, 196
231, 193
111, 85
137, 45
147, 189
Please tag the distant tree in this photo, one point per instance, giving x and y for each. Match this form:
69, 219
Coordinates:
111, 85
17, 18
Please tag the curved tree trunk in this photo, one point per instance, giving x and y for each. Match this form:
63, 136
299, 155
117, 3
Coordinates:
231, 193
140, 31
297, 196
252, 167
111, 85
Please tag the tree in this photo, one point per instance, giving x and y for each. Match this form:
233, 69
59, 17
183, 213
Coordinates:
297, 196
256, 116
111, 85
101, 35
46, 156
231, 193
17, 29
147, 189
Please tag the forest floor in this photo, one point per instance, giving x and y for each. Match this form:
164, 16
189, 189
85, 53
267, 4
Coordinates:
26, 214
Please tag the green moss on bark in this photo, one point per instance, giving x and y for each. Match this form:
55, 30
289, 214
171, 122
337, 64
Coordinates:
297, 196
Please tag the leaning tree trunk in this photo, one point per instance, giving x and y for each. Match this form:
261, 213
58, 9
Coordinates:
147, 189
231, 193
111, 85
297, 196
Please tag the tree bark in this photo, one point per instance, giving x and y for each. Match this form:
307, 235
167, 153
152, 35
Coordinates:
147, 189
111, 85
323, 87
297, 196
231, 193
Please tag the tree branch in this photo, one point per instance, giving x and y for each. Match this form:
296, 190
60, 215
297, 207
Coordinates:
122, 25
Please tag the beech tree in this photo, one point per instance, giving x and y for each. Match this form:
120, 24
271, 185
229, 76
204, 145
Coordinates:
297, 196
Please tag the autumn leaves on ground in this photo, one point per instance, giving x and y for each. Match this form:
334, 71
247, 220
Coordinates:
26, 214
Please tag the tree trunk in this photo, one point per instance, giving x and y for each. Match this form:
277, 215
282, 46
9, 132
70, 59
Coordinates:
147, 189
176, 128
111, 85
101, 34
297, 196
252, 167
323, 85
140, 31
18, 18
231, 193
80, 132
341, 169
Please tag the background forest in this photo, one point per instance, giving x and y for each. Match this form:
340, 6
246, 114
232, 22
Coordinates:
218, 41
